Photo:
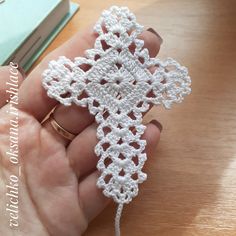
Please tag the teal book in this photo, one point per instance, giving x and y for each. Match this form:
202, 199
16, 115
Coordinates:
27, 27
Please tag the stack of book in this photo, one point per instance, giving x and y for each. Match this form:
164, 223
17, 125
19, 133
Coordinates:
27, 27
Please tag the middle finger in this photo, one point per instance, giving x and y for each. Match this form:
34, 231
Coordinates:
74, 119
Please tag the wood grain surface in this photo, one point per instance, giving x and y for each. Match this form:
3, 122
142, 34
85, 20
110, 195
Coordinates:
191, 186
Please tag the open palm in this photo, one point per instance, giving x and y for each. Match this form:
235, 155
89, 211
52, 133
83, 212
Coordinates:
57, 192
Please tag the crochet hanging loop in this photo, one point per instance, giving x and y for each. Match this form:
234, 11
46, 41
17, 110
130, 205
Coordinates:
118, 80
118, 218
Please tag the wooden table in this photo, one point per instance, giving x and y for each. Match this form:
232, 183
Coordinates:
191, 186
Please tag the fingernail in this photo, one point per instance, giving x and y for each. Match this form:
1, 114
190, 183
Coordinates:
157, 124
154, 32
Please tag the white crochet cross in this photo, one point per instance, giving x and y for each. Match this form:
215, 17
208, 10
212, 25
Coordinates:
115, 82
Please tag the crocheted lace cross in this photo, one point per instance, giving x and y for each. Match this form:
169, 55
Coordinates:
115, 82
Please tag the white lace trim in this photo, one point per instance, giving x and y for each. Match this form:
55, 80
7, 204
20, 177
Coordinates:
115, 83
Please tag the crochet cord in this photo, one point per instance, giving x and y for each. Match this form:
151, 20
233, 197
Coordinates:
117, 219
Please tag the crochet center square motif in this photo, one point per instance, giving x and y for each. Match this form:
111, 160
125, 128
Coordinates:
119, 85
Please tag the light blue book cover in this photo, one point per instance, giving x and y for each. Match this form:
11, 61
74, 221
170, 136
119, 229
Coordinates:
27, 27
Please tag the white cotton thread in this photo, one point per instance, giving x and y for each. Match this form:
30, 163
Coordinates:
118, 218
113, 80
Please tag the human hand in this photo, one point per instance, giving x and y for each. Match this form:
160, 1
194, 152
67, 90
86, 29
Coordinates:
57, 190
